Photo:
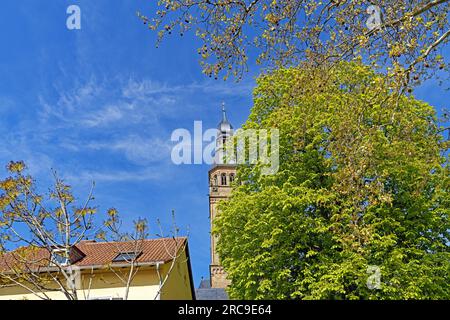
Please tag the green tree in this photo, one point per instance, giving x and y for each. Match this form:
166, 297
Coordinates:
403, 35
363, 187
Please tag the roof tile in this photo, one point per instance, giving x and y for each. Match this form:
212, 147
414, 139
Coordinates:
101, 253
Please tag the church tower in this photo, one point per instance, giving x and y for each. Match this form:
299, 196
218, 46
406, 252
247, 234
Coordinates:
221, 175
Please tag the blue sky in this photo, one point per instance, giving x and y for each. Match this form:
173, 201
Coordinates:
101, 103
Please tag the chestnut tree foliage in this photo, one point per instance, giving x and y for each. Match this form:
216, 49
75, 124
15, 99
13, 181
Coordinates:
363, 184
404, 37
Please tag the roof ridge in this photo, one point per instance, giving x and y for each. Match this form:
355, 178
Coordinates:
92, 242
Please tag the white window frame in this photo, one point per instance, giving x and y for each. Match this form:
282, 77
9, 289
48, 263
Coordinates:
55, 263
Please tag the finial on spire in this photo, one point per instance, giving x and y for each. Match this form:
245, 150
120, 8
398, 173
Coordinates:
224, 113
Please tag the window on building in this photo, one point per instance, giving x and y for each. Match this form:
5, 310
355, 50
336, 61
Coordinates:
126, 256
223, 179
231, 177
60, 257
215, 181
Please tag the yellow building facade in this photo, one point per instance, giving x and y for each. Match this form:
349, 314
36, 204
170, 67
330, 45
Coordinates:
155, 277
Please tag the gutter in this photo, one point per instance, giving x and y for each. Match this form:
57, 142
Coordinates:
91, 267
120, 265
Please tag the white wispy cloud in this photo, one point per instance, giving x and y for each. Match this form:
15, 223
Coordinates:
100, 104
106, 116
14, 147
136, 148
122, 120
145, 87
114, 175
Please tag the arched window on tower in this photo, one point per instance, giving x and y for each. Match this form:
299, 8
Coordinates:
215, 183
231, 178
223, 179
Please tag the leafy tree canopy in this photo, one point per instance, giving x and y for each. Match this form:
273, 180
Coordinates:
363, 181
404, 36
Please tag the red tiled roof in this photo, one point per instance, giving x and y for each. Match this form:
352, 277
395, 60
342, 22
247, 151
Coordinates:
153, 250
35, 258
100, 253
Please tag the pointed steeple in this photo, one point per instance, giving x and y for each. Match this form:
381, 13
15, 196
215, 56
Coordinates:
224, 125
224, 134
224, 113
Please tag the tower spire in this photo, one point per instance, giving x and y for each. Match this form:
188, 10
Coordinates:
224, 113
224, 124
221, 177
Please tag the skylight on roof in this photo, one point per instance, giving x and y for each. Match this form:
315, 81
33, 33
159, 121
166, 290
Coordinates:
126, 256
